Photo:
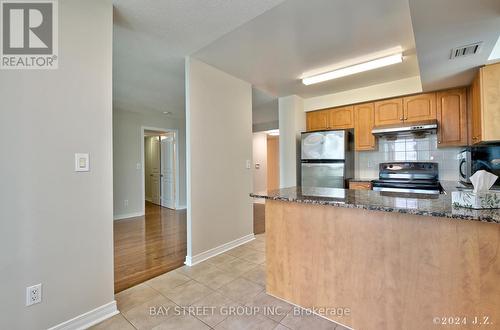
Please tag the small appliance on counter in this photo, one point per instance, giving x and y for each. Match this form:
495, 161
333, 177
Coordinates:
326, 159
477, 158
409, 178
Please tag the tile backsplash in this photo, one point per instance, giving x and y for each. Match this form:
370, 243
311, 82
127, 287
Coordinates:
408, 149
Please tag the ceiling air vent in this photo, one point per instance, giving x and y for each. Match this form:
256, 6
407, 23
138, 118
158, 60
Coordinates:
466, 50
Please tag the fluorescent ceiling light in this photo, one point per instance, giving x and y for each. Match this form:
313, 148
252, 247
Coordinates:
274, 132
357, 68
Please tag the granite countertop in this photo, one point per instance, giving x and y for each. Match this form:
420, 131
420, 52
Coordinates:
439, 206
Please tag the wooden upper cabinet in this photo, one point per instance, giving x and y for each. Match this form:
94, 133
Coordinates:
341, 118
452, 118
317, 120
419, 107
486, 105
364, 120
388, 112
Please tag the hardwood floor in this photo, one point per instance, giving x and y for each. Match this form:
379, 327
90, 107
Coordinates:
148, 246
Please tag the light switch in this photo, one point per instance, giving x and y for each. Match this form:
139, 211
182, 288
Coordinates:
249, 164
82, 163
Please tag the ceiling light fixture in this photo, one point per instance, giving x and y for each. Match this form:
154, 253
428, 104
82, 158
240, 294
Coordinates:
273, 132
353, 69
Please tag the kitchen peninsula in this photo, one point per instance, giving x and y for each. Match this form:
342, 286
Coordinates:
394, 262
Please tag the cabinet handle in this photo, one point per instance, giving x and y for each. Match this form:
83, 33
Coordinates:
439, 142
406, 118
401, 118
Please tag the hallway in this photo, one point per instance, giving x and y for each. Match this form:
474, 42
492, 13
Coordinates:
147, 246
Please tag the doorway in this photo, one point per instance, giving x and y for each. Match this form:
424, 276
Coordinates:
160, 167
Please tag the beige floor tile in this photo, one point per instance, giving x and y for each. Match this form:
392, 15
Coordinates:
241, 290
117, 322
307, 322
184, 322
219, 306
150, 313
186, 294
282, 327
256, 275
168, 281
237, 266
134, 296
258, 245
237, 251
196, 270
257, 257
260, 237
220, 259
215, 278
247, 322
273, 308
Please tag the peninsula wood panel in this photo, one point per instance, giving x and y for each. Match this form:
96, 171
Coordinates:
452, 117
419, 107
364, 120
389, 112
360, 185
393, 271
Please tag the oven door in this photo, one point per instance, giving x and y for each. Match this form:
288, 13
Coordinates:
464, 166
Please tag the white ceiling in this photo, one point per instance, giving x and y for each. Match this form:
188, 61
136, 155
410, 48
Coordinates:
271, 43
273, 50
442, 25
151, 39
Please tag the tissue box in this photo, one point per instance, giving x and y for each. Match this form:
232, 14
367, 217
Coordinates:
481, 200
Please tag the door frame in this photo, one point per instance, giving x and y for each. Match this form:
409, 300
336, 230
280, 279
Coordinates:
177, 163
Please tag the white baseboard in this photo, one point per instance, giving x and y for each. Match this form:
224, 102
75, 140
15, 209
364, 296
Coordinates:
191, 261
181, 207
90, 318
128, 215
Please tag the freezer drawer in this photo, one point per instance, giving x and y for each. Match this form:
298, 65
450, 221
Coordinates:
329, 175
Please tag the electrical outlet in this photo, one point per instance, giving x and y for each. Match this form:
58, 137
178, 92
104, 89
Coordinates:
125, 203
33, 294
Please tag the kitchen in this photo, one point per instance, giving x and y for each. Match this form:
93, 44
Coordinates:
374, 206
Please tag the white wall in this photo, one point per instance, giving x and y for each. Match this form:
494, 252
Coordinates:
127, 137
219, 142
376, 92
56, 225
292, 121
260, 157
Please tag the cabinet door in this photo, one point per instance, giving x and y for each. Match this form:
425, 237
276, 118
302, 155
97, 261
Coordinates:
364, 120
317, 120
419, 107
341, 118
389, 112
451, 116
476, 126
490, 103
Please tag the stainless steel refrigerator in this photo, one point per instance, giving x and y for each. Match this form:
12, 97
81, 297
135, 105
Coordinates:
326, 159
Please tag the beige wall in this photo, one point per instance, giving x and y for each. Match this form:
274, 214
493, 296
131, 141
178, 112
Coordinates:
219, 142
56, 225
127, 184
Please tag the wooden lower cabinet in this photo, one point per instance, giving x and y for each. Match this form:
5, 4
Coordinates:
419, 107
360, 185
364, 120
452, 117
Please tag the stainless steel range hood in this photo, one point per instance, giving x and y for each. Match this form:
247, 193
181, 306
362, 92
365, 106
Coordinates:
425, 127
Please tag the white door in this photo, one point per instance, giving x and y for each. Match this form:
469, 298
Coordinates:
168, 169
155, 171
